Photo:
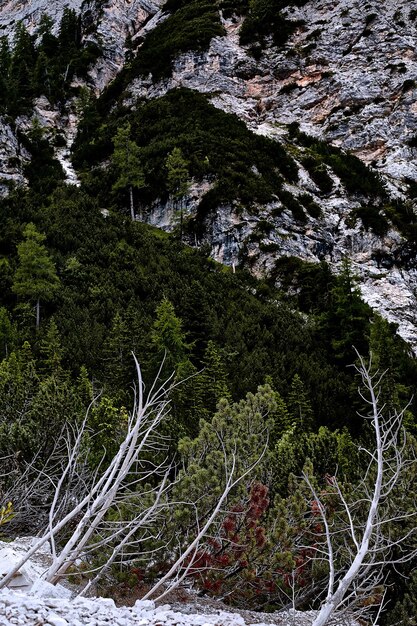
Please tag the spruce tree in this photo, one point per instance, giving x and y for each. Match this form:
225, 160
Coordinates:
168, 339
348, 318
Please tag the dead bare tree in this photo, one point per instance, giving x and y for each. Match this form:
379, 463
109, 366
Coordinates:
122, 484
120, 509
360, 543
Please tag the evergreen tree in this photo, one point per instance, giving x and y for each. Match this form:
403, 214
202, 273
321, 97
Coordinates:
51, 349
212, 384
41, 79
299, 406
168, 339
5, 60
35, 277
348, 318
118, 362
127, 161
69, 41
21, 68
48, 43
178, 183
7, 332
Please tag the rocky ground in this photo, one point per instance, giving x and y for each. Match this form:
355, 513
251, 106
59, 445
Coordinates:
31, 601
30, 610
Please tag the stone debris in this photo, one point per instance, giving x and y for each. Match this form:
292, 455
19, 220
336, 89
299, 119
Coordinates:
17, 608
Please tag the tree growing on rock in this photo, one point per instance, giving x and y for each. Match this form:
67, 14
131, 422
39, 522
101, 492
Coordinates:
178, 181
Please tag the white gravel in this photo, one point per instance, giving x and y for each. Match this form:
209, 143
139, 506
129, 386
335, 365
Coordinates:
22, 608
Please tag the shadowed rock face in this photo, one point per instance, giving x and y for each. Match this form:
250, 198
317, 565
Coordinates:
346, 75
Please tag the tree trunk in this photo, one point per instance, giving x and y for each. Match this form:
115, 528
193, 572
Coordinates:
132, 208
38, 313
181, 219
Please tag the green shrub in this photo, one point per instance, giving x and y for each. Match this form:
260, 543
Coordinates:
372, 219
264, 19
312, 207
191, 27
243, 167
355, 175
292, 205
318, 173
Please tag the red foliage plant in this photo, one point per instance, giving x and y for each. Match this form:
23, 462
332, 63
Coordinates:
243, 564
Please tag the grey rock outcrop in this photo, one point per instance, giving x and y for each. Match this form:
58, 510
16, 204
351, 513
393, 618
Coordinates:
346, 76
12, 156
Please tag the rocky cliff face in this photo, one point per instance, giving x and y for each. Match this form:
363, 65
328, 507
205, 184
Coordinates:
346, 75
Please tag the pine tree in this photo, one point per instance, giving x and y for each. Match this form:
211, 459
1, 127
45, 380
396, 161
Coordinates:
35, 277
126, 160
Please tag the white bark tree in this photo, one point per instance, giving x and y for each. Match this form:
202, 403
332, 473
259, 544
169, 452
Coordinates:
361, 542
116, 512
122, 485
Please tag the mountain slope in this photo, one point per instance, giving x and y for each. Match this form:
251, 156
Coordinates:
344, 74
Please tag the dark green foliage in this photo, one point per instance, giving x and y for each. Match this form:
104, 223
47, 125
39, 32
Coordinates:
319, 174
245, 167
28, 71
299, 406
264, 19
404, 218
310, 283
167, 340
191, 27
291, 204
373, 219
348, 320
355, 175
42, 171
403, 613
107, 266
22, 63
311, 207
35, 278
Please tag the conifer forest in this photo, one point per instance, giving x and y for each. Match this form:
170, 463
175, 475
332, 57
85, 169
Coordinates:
198, 384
